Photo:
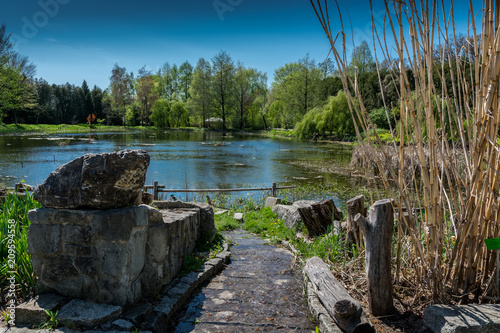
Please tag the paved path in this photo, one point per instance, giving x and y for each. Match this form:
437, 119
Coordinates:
258, 291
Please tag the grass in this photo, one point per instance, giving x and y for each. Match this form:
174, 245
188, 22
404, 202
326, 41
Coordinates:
16, 208
263, 222
203, 252
45, 128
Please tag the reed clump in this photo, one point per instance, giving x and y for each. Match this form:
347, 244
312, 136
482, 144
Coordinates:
446, 164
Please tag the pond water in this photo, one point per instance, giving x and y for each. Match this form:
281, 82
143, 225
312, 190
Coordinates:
204, 159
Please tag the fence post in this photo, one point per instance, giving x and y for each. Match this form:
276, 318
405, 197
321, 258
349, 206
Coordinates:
155, 190
273, 192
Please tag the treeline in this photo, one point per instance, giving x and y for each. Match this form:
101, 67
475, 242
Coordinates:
218, 92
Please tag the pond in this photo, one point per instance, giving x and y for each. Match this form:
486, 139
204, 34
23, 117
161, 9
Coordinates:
202, 159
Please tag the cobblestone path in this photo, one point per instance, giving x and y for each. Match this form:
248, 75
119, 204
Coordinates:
261, 290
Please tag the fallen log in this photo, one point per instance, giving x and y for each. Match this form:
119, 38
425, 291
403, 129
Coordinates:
345, 310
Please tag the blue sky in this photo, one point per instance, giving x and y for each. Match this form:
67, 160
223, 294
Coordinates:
73, 40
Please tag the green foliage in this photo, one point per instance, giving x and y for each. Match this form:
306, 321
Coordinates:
161, 113
333, 118
52, 322
179, 115
226, 222
16, 208
379, 118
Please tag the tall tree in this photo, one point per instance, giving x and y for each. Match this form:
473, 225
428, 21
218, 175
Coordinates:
146, 94
88, 107
200, 97
185, 78
121, 89
249, 83
222, 84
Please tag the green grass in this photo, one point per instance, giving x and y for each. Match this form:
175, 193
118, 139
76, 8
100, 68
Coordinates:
16, 208
263, 222
44, 128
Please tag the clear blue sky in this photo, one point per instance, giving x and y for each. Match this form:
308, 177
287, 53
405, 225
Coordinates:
73, 40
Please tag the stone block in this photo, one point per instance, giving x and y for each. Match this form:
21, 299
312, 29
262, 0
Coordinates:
272, 201
33, 311
238, 217
139, 314
484, 318
87, 314
44, 239
121, 325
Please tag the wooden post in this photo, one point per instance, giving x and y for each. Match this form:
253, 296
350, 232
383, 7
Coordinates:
378, 229
273, 192
155, 190
354, 206
345, 310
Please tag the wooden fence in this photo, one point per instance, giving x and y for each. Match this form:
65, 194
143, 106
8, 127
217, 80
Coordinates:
157, 189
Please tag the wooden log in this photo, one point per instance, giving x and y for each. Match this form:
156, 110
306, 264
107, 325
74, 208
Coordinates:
354, 206
378, 229
345, 310
317, 217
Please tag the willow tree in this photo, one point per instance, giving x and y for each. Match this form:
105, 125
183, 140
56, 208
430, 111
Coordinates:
457, 188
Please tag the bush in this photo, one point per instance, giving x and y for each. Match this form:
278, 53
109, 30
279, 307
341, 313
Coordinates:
379, 118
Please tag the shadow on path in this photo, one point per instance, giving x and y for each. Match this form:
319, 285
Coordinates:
260, 290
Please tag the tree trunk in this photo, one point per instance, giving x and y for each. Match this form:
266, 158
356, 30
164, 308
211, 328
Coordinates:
378, 228
345, 310
354, 206
317, 217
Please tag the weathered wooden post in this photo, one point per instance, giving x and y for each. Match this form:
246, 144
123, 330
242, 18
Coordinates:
155, 190
273, 192
378, 229
354, 206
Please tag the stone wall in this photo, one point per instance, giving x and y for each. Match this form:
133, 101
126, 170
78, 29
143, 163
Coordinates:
115, 256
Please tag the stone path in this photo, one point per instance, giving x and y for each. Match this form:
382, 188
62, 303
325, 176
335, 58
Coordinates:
259, 291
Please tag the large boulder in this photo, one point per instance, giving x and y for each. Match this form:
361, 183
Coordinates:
96, 181
290, 214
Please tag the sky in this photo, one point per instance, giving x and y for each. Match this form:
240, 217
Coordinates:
76, 40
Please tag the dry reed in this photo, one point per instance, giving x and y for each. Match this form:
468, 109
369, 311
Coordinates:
445, 258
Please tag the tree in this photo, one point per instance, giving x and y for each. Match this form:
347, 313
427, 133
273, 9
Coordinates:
362, 60
200, 97
296, 86
121, 93
17, 91
222, 84
97, 101
185, 78
45, 102
249, 83
161, 113
179, 115
88, 107
146, 93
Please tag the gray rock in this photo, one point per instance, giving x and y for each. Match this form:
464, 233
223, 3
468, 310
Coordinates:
272, 202
102, 181
238, 217
139, 314
33, 311
221, 212
290, 214
122, 325
484, 318
87, 314
208, 230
